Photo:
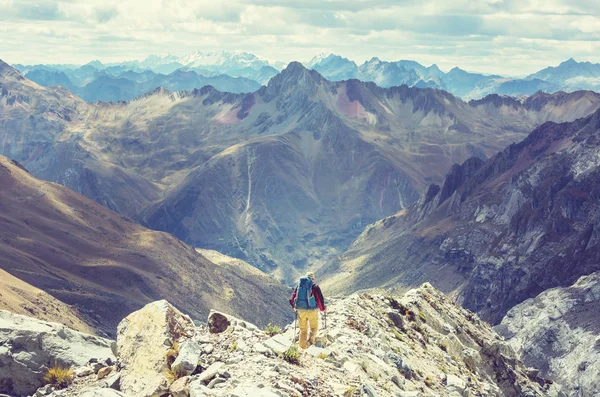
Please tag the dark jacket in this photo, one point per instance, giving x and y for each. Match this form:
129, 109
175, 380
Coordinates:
316, 291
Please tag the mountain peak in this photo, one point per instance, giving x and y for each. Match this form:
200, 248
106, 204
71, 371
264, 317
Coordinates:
294, 77
294, 69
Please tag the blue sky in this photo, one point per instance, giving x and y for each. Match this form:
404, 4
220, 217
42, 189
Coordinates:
508, 37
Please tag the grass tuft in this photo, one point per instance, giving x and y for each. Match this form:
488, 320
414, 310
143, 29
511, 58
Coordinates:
292, 355
172, 353
59, 376
272, 329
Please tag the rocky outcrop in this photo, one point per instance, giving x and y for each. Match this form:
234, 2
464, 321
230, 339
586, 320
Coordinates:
558, 332
420, 344
143, 340
28, 347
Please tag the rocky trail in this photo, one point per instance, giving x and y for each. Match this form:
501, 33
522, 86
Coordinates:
421, 344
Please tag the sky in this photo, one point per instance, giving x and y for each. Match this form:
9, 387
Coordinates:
508, 37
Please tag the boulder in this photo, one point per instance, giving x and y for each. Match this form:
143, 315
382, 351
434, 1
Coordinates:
217, 322
396, 318
28, 347
187, 360
143, 339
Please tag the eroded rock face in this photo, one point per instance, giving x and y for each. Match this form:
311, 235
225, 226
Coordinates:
28, 347
143, 339
558, 332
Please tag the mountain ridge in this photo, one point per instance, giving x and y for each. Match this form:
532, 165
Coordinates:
515, 210
358, 153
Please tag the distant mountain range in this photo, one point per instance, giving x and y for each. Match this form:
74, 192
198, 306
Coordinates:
568, 76
246, 72
285, 177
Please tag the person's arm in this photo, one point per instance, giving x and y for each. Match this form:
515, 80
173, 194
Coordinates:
293, 298
319, 297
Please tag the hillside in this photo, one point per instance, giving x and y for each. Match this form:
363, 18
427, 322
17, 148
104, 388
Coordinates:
284, 178
19, 297
104, 265
496, 232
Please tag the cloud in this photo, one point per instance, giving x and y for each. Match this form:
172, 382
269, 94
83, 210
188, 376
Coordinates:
497, 36
105, 14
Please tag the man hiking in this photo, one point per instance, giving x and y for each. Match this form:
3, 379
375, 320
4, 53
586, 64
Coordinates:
306, 298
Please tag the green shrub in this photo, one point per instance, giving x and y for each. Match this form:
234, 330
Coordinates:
292, 355
272, 329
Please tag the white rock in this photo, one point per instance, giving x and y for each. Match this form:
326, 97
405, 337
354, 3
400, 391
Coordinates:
28, 345
317, 351
454, 382
278, 343
187, 360
209, 373
208, 348
143, 339
83, 371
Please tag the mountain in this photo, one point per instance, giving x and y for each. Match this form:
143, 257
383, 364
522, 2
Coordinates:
333, 67
49, 78
558, 332
284, 178
494, 232
571, 75
106, 265
457, 81
114, 83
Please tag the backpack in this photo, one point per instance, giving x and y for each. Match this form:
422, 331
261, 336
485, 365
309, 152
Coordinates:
304, 295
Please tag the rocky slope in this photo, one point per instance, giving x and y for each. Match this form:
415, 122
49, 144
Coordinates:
495, 232
417, 345
284, 178
28, 347
106, 265
558, 332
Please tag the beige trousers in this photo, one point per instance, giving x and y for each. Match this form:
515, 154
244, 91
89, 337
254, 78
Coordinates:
308, 318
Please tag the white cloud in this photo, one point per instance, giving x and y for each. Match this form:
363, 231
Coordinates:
495, 36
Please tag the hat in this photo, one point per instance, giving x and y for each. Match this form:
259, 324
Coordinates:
310, 275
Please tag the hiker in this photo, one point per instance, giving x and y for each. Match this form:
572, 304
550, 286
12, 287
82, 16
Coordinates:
305, 301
